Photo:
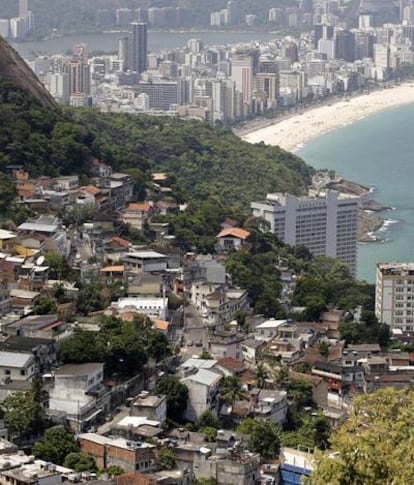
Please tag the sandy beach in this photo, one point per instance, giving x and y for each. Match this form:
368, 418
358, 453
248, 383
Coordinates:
293, 132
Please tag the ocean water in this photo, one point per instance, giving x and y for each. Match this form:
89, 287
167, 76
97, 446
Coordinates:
377, 151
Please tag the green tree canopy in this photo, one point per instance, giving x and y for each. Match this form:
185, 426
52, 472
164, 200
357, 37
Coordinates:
177, 394
7, 193
124, 347
232, 390
55, 445
264, 437
114, 470
43, 305
207, 419
375, 444
166, 459
80, 462
22, 414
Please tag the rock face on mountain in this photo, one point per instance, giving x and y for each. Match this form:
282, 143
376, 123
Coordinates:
14, 69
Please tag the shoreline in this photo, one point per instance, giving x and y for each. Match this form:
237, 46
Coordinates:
293, 131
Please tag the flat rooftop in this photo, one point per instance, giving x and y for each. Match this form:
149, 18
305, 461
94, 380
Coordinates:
78, 369
151, 401
144, 255
395, 267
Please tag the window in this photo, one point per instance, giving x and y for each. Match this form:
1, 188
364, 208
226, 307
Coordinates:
22, 372
7, 372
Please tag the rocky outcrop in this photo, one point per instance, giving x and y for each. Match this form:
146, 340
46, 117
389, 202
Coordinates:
14, 69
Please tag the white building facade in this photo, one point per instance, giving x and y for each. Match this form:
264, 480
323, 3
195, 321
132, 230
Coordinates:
326, 224
394, 295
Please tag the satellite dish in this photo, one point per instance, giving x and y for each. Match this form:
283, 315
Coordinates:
40, 260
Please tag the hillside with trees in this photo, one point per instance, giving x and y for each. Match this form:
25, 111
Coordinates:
374, 445
206, 162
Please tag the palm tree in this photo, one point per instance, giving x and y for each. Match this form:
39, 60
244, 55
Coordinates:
282, 378
261, 376
232, 390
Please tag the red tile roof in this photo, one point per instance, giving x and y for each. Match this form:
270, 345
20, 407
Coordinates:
121, 242
91, 189
234, 232
139, 206
231, 364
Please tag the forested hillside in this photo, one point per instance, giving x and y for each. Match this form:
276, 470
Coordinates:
205, 162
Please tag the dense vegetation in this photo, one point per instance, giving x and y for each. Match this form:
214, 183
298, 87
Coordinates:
124, 347
374, 445
206, 162
42, 140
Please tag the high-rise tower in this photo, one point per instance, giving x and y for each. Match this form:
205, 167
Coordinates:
138, 47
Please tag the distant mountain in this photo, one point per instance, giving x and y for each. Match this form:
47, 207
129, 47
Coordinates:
15, 70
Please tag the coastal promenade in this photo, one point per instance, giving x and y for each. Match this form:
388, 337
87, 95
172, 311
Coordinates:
293, 131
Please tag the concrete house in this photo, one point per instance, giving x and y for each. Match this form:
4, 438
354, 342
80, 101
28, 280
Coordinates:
43, 349
44, 233
144, 261
203, 387
150, 406
225, 344
78, 394
122, 189
251, 349
129, 455
35, 326
232, 238
269, 404
269, 329
17, 366
137, 214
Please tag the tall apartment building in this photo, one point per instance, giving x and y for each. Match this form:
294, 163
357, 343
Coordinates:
345, 45
268, 83
161, 94
364, 44
138, 47
325, 224
394, 295
322, 32
79, 77
242, 73
382, 56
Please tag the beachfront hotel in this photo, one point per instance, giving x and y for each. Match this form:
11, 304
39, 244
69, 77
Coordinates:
394, 295
325, 223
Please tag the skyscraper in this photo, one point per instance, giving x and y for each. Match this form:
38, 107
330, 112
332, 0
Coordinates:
322, 32
243, 68
345, 45
123, 52
79, 77
138, 47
